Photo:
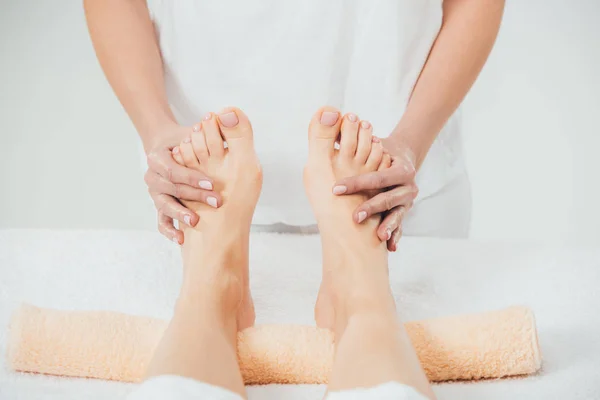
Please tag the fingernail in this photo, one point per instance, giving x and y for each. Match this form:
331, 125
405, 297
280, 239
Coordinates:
196, 128
206, 185
176, 150
352, 118
361, 216
376, 139
388, 233
175, 240
207, 117
365, 125
229, 119
188, 220
329, 118
340, 189
187, 140
211, 201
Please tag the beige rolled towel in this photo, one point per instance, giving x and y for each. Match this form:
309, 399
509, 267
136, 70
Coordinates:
116, 346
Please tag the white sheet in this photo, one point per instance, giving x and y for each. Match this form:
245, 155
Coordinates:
139, 273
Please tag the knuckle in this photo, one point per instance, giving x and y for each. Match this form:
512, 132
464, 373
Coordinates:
163, 207
158, 198
176, 190
374, 206
389, 201
394, 221
169, 172
414, 191
191, 180
152, 194
181, 215
379, 180
398, 218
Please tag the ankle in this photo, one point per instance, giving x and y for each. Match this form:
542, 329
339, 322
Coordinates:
218, 251
362, 295
219, 294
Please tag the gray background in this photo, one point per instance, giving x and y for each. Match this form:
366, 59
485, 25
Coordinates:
70, 157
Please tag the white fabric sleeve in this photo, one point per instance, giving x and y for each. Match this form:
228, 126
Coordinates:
386, 391
172, 387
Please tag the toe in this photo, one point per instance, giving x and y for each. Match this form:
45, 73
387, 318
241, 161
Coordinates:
349, 135
199, 144
375, 157
386, 162
212, 134
235, 127
187, 153
365, 138
324, 129
177, 156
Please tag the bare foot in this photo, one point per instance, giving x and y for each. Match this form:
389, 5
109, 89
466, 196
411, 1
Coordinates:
221, 237
341, 236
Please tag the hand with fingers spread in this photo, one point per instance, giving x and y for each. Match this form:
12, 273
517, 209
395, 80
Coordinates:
399, 192
169, 182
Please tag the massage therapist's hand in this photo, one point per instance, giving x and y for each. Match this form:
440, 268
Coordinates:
399, 191
169, 182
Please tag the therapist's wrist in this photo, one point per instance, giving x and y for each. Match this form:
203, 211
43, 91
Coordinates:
407, 148
416, 131
164, 132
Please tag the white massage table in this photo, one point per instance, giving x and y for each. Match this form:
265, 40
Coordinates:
139, 273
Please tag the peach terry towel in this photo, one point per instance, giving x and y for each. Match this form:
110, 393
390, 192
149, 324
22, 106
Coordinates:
116, 346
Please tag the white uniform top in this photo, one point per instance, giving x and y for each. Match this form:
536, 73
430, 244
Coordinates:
279, 61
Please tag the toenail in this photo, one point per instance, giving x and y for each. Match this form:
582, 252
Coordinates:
187, 140
176, 150
188, 220
211, 201
229, 119
196, 128
388, 233
376, 139
339, 189
207, 117
352, 117
365, 124
361, 216
206, 185
329, 118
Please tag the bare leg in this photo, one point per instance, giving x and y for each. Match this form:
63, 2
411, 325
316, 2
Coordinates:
215, 300
355, 300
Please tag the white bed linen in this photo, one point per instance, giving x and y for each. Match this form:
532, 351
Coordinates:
139, 273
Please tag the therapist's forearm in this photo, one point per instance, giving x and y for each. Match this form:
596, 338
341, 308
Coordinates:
125, 43
468, 32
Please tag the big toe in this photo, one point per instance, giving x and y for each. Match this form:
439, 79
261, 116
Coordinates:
235, 126
324, 128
